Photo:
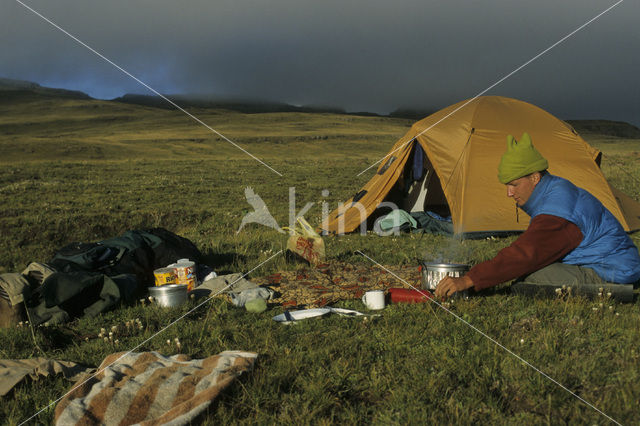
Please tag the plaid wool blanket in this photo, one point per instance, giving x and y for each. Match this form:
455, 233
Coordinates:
149, 388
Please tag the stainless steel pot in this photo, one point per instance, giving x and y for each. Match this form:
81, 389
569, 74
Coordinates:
169, 295
432, 273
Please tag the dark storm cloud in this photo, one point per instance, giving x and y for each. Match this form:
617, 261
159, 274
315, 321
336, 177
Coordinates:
373, 55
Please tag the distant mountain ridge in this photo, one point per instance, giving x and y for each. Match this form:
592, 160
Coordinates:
249, 106
619, 129
13, 85
13, 89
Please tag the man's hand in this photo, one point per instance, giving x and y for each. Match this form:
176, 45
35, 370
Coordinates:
448, 286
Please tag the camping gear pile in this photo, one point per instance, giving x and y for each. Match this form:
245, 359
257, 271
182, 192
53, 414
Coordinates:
85, 279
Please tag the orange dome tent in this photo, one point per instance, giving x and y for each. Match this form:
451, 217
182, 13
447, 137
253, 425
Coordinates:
462, 150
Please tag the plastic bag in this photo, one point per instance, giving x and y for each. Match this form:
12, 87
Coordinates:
306, 242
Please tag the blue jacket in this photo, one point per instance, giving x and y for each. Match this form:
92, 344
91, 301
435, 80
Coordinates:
605, 247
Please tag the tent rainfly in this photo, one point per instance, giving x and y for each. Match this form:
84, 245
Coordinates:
448, 163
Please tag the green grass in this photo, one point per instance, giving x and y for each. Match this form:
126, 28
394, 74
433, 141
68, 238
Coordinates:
88, 170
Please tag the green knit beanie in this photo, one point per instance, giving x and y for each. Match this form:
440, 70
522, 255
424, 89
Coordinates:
521, 159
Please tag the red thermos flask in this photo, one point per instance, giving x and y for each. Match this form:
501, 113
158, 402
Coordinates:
405, 295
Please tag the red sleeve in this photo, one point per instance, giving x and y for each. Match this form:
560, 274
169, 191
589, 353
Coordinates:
547, 239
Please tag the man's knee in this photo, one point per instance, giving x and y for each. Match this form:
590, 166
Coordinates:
562, 274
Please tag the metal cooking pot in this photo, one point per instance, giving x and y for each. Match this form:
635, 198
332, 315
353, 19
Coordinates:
169, 295
432, 273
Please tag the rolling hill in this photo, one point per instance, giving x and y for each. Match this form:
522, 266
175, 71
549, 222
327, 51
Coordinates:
40, 123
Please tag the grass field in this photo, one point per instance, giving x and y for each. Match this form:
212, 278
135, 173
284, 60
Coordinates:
81, 170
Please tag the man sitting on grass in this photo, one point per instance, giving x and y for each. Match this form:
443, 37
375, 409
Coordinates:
572, 238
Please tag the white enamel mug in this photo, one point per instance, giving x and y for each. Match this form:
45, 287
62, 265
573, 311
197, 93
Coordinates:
374, 299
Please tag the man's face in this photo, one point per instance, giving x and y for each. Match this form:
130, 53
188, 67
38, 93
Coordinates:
522, 188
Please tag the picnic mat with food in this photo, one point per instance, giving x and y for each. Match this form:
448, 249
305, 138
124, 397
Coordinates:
314, 287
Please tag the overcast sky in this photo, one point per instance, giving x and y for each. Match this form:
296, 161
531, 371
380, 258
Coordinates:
360, 55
